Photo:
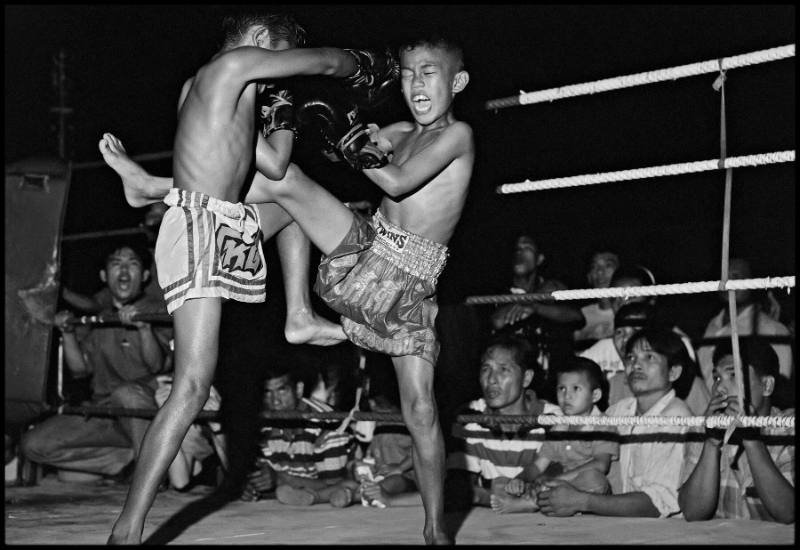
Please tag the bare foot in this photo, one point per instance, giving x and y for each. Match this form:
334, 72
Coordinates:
303, 326
342, 497
117, 538
509, 504
286, 494
437, 538
139, 186
115, 541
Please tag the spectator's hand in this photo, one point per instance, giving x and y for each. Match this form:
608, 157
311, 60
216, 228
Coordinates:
559, 498
717, 406
515, 313
259, 481
515, 487
126, 314
722, 404
61, 321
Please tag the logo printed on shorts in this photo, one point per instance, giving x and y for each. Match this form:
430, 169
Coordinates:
235, 254
395, 239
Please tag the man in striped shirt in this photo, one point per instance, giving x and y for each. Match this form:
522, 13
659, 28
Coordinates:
302, 461
487, 456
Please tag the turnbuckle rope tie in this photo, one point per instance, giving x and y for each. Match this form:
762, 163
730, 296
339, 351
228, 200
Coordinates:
635, 291
638, 79
719, 85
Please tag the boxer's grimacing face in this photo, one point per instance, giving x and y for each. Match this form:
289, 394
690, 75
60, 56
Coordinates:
427, 79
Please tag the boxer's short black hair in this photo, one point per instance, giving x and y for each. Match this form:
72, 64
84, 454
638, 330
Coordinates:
282, 26
436, 39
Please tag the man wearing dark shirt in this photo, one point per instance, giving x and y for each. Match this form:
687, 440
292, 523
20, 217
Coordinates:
122, 361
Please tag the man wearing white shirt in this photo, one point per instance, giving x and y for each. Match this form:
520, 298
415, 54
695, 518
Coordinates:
652, 461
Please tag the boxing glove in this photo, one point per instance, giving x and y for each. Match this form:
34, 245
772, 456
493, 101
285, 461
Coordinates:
359, 151
341, 132
376, 73
275, 109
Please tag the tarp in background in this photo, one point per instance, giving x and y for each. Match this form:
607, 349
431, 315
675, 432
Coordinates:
35, 200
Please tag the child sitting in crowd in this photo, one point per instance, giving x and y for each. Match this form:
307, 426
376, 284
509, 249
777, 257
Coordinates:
583, 459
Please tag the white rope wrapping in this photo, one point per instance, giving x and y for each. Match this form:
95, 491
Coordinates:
719, 421
633, 291
649, 172
650, 77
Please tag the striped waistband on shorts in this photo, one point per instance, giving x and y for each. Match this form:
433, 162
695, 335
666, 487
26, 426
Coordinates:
412, 253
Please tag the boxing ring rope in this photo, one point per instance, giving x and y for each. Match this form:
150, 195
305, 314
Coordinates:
101, 234
635, 291
649, 172
394, 418
723, 163
638, 79
529, 420
114, 318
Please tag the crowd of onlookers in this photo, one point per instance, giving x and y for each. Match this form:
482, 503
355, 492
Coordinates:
615, 357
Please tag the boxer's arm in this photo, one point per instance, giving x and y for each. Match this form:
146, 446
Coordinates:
248, 63
273, 154
455, 141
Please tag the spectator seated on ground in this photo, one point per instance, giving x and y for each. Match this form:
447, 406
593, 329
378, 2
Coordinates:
487, 455
579, 454
302, 462
753, 475
122, 362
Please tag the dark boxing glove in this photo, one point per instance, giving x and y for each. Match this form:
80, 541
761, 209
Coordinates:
275, 109
376, 73
359, 151
341, 132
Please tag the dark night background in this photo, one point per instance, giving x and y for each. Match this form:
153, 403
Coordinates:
126, 65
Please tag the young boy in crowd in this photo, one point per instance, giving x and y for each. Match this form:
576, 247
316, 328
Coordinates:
583, 461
